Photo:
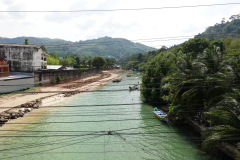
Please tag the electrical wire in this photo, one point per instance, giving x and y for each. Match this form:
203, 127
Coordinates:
95, 121
62, 146
120, 9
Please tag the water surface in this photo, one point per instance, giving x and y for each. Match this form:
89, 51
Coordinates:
103, 132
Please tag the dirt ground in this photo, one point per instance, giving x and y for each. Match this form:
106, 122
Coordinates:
8, 101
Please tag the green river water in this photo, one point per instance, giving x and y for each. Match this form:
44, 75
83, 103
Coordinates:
103, 132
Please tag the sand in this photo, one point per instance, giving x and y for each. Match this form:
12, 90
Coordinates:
49, 98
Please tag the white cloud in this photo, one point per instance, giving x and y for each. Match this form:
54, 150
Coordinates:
132, 25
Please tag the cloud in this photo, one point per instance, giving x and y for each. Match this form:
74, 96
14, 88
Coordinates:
14, 6
140, 24
8, 2
58, 17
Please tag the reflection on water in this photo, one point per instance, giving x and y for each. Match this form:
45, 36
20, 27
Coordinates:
106, 131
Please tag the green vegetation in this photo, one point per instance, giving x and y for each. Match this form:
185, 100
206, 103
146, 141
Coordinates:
26, 41
81, 63
139, 61
199, 77
224, 29
98, 62
104, 47
58, 79
53, 59
110, 62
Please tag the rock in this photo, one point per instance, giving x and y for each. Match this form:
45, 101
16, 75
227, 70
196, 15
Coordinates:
13, 115
28, 109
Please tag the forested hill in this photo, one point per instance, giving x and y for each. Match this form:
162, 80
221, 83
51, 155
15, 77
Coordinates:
230, 28
105, 47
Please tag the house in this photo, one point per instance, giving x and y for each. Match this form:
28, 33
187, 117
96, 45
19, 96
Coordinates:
4, 68
18, 63
24, 58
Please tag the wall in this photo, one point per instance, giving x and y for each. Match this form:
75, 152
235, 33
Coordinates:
22, 58
4, 69
9, 85
50, 76
37, 59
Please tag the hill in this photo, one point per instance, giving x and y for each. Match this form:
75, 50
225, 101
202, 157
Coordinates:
224, 29
105, 46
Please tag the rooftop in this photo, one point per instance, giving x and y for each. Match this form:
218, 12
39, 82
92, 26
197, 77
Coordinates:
20, 45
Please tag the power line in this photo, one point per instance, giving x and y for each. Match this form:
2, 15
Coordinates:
121, 9
62, 146
126, 129
112, 42
156, 134
84, 43
96, 121
121, 90
82, 84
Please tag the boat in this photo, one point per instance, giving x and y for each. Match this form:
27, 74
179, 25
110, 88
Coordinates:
161, 115
129, 75
117, 80
134, 87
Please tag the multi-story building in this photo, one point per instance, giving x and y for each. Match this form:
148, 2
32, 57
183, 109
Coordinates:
4, 68
24, 58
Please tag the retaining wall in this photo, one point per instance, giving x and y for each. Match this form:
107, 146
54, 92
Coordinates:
50, 76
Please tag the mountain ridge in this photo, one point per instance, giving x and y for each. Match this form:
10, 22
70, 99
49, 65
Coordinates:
103, 46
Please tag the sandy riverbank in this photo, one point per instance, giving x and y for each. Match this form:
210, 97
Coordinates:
55, 93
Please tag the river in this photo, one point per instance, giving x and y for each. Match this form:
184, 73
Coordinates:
97, 126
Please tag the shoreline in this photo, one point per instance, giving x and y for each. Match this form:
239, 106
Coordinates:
22, 103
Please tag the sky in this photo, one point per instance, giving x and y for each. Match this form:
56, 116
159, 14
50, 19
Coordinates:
152, 27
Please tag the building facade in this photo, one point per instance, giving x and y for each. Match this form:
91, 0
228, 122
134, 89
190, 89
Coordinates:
4, 68
24, 58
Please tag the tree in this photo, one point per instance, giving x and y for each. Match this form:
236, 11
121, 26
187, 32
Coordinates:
156, 69
26, 41
195, 46
110, 62
77, 62
65, 63
98, 62
53, 59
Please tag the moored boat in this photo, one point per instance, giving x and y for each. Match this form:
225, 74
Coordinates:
117, 80
134, 87
161, 115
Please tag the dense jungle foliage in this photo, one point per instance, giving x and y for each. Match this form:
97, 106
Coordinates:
230, 28
199, 79
139, 61
81, 62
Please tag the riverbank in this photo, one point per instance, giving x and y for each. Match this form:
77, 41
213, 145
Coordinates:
13, 106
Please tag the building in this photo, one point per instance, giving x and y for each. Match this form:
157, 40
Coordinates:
24, 58
4, 68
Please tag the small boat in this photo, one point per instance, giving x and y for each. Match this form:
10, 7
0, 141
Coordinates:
129, 75
134, 87
161, 115
117, 80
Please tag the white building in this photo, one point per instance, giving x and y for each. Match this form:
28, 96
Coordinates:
24, 58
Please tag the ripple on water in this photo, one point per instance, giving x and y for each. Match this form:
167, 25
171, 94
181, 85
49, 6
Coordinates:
145, 138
